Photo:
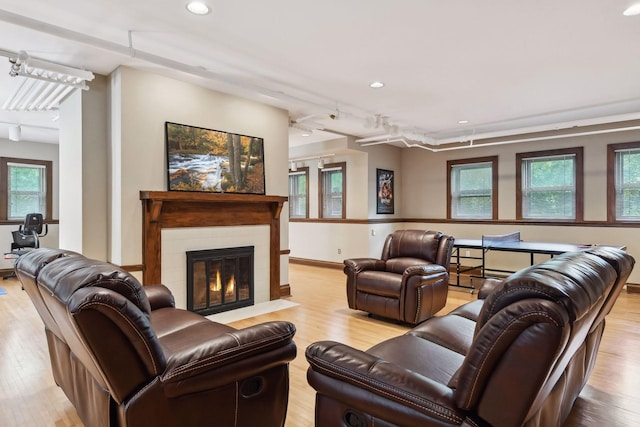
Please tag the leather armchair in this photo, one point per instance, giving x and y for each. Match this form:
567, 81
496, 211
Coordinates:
125, 356
408, 283
520, 357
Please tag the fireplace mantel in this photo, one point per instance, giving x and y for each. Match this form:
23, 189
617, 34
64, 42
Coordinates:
172, 209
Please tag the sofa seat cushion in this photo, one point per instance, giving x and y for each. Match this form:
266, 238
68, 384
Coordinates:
440, 365
400, 264
168, 320
382, 283
452, 332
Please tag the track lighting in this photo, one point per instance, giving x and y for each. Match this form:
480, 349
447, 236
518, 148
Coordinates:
43, 84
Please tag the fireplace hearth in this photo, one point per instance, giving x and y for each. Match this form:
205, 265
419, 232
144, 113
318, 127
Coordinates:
219, 279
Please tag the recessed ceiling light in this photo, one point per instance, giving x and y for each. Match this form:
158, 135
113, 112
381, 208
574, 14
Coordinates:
463, 122
376, 85
197, 8
632, 10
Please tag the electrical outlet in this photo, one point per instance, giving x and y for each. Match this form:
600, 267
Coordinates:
467, 253
339, 251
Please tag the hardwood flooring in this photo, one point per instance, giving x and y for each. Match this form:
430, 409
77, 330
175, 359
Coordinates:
29, 397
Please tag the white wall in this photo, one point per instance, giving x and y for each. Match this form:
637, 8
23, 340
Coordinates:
35, 151
141, 103
421, 194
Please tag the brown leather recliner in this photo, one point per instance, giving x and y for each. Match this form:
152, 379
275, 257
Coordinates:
125, 356
520, 357
408, 283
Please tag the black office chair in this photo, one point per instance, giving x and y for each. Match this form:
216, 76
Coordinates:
27, 237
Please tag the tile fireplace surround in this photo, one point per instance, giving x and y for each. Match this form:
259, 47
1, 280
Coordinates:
174, 209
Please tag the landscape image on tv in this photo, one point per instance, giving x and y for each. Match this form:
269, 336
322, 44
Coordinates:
208, 160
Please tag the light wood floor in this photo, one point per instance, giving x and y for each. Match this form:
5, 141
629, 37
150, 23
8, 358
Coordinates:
29, 397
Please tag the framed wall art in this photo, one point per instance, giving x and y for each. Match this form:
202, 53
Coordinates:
208, 160
384, 191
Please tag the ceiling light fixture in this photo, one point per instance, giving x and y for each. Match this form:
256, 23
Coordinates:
376, 85
632, 10
463, 122
198, 8
43, 84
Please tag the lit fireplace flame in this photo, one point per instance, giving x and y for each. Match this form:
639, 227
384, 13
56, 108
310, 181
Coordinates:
218, 285
231, 286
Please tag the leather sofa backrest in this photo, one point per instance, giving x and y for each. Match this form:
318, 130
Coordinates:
412, 244
27, 270
623, 264
102, 314
527, 332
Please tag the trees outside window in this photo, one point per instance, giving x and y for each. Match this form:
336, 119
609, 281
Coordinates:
623, 182
298, 193
549, 185
332, 190
26, 188
472, 188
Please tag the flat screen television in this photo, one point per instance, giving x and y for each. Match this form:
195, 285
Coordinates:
208, 160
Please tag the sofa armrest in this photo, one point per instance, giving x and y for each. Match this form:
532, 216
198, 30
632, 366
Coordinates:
488, 286
159, 296
198, 363
361, 264
342, 372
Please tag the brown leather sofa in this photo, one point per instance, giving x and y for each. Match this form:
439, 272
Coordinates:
408, 283
125, 356
518, 357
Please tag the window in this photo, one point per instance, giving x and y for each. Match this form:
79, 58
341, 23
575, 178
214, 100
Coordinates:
549, 185
332, 188
27, 188
298, 192
623, 182
472, 188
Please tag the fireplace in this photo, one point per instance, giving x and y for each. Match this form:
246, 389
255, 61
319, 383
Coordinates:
219, 279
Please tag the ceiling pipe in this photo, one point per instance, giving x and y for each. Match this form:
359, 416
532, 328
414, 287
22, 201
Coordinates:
470, 144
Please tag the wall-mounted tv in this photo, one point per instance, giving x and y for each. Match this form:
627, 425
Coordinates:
208, 160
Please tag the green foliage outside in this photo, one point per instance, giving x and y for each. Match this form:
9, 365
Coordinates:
474, 186
629, 185
551, 188
24, 191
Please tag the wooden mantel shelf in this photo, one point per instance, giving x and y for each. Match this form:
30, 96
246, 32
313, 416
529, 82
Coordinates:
172, 209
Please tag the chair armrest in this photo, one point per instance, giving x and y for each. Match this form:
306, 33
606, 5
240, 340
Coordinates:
428, 273
362, 264
159, 296
202, 364
342, 372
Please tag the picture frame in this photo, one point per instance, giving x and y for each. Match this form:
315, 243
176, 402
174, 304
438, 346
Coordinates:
384, 191
208, 160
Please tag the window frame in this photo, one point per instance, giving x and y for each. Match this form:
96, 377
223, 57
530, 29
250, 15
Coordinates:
612, 174
343, 166
301, 171
4, 189
577, 152
493, 160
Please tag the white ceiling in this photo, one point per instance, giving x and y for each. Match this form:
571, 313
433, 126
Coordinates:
503, 65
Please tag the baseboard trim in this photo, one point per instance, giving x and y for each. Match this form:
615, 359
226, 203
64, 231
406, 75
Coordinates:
316, 263
285, 290
633, 288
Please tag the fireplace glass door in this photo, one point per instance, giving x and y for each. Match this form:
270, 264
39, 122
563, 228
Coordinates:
219, 279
